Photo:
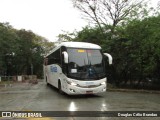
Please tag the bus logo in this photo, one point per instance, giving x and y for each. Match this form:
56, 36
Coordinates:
53, 69
89, 83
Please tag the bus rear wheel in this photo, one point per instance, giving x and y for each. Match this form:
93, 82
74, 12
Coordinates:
47, 81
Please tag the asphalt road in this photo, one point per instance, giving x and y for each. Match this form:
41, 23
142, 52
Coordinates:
39, 97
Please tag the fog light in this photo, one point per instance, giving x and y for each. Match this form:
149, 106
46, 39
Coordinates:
72, 90
104, 89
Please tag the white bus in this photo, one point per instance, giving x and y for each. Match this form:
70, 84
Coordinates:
76, 68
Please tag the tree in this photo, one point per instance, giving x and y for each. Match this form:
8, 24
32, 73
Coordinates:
8, 48
137, 53
45, 45
104, 12
30, 52
135, 49
65, 36
89, 34
21, 51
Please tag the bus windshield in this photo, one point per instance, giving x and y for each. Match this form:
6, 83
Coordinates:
85, 64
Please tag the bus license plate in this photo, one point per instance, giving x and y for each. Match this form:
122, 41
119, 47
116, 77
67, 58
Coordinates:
89, 92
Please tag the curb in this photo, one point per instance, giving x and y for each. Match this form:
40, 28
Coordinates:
135, 91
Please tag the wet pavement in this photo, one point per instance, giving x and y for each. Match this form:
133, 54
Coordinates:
40, 97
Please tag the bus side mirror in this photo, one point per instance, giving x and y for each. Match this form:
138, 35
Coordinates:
65, 54
110, 59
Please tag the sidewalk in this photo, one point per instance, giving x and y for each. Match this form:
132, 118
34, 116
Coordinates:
15, 86
133, 90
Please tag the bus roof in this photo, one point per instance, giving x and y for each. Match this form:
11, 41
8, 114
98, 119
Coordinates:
84, 45
80, 45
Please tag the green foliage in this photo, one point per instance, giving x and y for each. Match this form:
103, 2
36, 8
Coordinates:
145, 38
88, 34
7, 45
20, 50
136, 51
135, 48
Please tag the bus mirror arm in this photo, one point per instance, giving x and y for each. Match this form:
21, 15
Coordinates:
110, 59
65, 56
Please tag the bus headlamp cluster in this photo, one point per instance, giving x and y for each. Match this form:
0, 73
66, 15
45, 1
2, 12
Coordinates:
103, 83
71, 83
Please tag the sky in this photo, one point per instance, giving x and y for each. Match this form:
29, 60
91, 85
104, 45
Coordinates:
47, 18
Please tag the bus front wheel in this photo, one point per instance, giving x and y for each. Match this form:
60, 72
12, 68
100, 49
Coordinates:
60, 87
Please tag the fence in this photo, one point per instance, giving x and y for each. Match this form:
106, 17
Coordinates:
19, 78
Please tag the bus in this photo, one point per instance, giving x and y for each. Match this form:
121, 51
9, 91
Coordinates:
76, 68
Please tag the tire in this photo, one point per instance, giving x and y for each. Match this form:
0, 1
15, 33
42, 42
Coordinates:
60, 87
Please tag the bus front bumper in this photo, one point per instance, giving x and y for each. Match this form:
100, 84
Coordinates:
75, 90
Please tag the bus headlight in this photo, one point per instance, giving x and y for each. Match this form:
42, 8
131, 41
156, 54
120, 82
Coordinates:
103, 83
71, 83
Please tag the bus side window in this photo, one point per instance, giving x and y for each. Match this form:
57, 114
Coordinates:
57, 59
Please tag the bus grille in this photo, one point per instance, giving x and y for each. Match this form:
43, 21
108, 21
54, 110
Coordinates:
89, 86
